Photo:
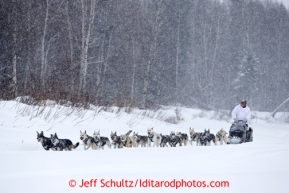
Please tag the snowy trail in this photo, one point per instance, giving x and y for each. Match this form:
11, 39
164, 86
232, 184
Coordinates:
261, 166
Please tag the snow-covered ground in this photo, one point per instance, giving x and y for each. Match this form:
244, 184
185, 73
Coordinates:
261, 166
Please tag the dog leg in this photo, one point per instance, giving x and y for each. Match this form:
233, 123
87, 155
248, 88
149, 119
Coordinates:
88, 146
225, 139
84, 146
109, 144
215, 142
149, 143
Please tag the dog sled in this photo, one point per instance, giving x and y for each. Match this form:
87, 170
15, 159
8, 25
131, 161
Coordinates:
239, 133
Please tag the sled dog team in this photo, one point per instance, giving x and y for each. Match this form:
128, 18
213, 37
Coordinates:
135, 140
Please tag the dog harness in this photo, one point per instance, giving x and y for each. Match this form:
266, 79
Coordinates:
151, 137
219, 137
104, 141
194, 136
117, 140
85, 141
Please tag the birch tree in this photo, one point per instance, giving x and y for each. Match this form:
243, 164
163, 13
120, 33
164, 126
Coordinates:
133, 71
14, 60
177, 52
88, 15
43, 42
27, 66
152, 47
71, 51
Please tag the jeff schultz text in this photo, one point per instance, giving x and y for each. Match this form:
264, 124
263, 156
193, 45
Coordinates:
149, 183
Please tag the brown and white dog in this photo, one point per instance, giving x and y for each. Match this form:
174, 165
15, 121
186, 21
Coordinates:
126, 139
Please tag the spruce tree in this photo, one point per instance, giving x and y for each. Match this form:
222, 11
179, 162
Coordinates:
245, 84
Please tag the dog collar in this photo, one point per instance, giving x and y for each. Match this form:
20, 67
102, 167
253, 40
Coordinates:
151, 135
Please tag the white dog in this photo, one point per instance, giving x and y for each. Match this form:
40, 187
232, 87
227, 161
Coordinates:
195, 136
221, 136
154, 137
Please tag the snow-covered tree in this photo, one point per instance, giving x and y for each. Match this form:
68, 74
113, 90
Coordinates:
245, 84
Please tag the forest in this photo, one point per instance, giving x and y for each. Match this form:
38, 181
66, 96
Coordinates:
204, 54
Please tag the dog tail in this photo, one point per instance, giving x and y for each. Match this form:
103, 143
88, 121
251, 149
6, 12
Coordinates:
75, 145
128, 133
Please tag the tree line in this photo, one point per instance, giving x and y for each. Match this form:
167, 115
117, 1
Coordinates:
145, 53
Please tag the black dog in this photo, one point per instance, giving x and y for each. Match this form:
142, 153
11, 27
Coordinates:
45, 141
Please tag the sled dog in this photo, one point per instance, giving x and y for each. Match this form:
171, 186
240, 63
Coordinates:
116, 142
126, 139
62, 144
210, 137
175, 140
221, 136
153, 137
195, 136
45, 141
101, 141
203, 139
165, 139
88, 141
184, 137
140, 140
